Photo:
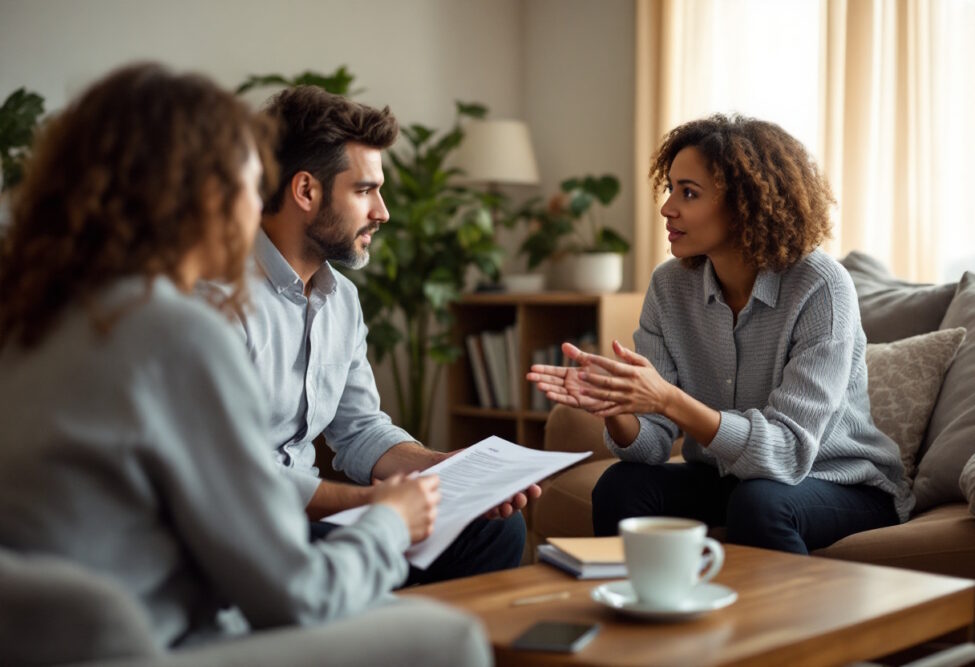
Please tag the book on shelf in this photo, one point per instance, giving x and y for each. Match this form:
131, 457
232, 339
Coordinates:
496, 361
516, 374
476, 356
585, 557
539, 401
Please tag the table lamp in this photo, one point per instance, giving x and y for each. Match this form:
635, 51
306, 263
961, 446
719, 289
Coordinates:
497, 152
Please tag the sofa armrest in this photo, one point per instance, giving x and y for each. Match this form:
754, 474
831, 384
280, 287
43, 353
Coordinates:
571, 430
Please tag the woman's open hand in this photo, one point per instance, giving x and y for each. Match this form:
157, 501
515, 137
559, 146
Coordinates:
563, 384
628, 386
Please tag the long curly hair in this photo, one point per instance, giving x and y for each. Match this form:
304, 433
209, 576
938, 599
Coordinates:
778, 198
121, 184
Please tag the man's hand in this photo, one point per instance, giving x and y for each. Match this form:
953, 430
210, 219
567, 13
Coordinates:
415, 500
515, 503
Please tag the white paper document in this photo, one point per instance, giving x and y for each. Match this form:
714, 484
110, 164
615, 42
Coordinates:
472, 482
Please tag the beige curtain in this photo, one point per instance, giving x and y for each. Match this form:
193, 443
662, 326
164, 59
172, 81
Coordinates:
881, 80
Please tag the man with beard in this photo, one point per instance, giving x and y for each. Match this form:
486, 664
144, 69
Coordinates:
306, 332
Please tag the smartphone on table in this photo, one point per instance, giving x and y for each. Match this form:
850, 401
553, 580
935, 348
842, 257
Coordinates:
560, 636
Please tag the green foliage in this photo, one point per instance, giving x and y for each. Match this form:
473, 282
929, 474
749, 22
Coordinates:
18, 121
554, 228
338, 82
437, 231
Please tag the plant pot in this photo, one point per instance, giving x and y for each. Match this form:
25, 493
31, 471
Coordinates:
588, 272
523, 283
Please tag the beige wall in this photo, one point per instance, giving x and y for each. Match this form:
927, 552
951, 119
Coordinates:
565, 66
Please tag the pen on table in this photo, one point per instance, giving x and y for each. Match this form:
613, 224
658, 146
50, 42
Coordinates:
535, 599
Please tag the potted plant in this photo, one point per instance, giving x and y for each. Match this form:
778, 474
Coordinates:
438, 231
19, 115
338, 82
569, 232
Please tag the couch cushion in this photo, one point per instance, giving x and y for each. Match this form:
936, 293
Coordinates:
941, 541
572, 430
967, 483
950, 440
891, 309
54, 612
565, 507
904, 378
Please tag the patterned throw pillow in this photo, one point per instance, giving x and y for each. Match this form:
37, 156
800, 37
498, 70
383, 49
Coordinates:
903, 380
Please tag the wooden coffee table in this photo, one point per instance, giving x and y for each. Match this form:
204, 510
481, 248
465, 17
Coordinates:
791, 610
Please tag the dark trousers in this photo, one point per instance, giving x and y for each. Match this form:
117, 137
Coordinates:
485, 545
756, 512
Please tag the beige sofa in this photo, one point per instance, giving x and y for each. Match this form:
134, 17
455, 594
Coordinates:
940, 536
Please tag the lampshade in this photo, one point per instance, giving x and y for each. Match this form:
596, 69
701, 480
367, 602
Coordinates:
497, 151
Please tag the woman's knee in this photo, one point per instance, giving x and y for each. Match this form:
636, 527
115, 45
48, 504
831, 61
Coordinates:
760, 515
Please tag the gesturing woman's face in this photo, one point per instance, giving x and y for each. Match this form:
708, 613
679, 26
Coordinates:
697, 218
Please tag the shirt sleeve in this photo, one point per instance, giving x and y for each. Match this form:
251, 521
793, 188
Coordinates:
360, 433
655, 440
241, 522
781, 441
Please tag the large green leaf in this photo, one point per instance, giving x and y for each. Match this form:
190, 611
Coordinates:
474, 110
18, 120
383, 338
608, 240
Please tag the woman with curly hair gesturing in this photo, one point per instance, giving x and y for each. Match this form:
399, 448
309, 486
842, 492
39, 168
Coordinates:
133, 427
750, 344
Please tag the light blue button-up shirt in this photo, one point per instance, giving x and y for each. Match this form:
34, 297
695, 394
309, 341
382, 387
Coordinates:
310, 354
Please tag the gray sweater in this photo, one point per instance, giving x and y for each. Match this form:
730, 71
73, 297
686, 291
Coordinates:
790, 378
144, 456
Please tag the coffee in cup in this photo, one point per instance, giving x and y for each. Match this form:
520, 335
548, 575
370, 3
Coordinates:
663, 558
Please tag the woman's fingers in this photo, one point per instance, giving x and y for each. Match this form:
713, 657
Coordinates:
628, 355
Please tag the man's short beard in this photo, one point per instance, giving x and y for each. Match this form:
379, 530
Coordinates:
323, 241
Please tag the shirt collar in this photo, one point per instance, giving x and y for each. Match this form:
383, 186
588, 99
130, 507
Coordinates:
765, 289
282, 276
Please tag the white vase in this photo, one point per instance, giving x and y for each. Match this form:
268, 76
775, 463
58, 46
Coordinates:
587, 272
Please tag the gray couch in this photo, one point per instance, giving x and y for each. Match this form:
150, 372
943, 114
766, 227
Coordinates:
53, 612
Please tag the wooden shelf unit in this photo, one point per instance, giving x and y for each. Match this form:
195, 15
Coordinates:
542, 319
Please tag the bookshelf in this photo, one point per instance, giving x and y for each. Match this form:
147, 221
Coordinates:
541, 320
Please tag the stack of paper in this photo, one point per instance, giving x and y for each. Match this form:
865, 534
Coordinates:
472, 482
586, 557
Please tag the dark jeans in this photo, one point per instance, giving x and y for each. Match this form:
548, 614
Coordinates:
757, 512
485, 545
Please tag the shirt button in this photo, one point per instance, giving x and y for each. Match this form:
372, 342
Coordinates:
728, 381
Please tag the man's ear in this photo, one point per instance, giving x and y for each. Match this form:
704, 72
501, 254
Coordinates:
306, 191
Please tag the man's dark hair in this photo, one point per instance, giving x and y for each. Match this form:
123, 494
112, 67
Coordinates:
314, 127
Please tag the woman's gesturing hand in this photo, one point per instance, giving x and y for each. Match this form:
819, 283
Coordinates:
563, 384
628, 386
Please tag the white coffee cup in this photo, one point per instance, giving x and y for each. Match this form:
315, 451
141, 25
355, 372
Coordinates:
663, 558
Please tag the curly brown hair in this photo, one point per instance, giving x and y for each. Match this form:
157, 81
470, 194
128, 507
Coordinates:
314, 126
778, 198
121, 184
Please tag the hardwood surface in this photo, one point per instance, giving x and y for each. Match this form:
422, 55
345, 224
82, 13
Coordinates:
791, 610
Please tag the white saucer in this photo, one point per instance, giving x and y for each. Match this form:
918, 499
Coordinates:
619, 595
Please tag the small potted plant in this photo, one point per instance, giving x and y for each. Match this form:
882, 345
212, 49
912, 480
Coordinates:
584, 254
19, 117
